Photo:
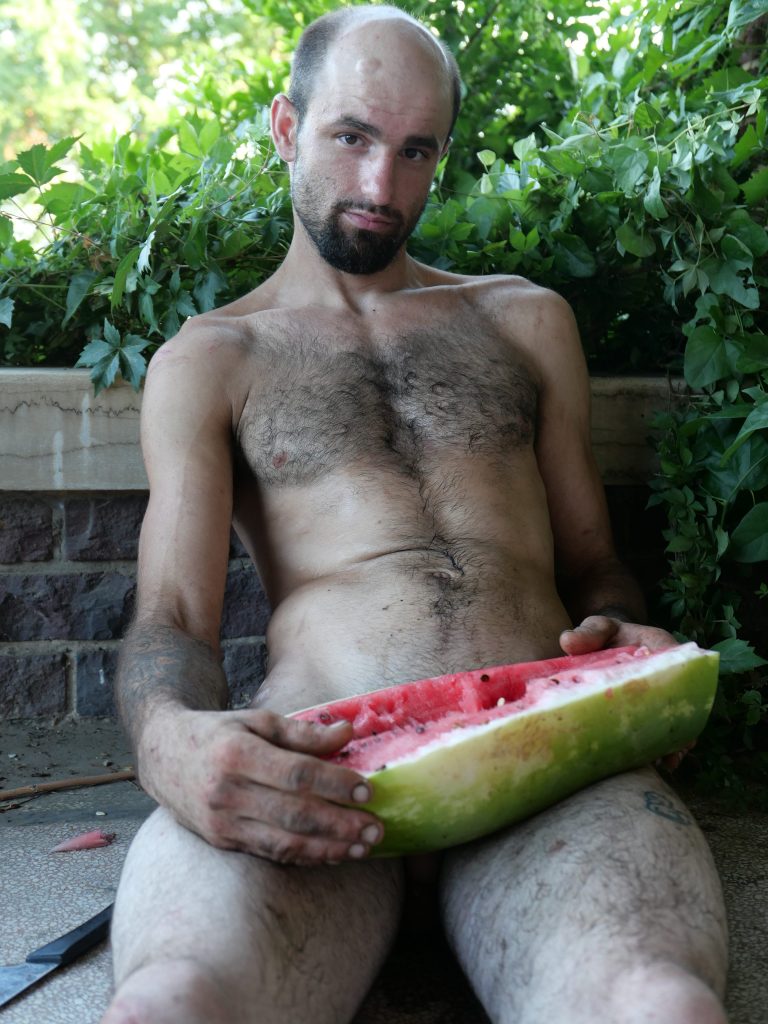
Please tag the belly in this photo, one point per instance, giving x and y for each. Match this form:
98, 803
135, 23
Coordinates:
407, 615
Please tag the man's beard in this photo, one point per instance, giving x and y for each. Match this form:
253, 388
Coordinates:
356, 251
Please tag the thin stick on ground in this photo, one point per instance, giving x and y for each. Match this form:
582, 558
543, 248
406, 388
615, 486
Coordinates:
126, 775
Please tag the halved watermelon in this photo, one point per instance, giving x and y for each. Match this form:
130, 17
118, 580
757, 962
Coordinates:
458, 756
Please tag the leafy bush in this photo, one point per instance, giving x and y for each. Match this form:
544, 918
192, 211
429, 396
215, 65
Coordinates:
635, 183
149, 235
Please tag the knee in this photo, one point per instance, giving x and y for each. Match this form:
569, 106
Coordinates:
665, 993
167, 992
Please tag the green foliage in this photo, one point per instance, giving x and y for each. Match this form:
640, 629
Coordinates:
150, 235
616, 157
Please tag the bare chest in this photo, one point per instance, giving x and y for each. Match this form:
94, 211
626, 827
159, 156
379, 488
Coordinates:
321, 402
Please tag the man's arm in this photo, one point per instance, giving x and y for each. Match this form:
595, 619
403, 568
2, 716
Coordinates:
600, 594
249, 780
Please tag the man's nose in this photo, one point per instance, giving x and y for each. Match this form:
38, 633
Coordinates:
378, 182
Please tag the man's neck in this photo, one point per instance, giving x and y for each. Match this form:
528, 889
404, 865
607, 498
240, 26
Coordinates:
306, 279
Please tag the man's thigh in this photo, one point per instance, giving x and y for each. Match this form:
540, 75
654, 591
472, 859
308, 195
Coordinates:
547, 914
281, 942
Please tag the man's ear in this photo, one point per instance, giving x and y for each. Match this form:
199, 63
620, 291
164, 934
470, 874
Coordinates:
284, 121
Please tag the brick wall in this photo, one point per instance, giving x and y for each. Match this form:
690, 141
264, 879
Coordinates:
67, 587
67, 584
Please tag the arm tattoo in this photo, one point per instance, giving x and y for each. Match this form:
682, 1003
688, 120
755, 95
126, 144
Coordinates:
162, 665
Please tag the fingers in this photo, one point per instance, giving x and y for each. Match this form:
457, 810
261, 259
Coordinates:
671, 762
592, 634
598, 631
299, 734
264, 795
290, 759
293, 829
289, 848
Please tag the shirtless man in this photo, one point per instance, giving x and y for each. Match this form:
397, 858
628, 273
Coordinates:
405, 454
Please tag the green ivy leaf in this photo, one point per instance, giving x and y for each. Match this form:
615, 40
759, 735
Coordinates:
745, 147
111, 334
724, 279
79, 286
147, 311
749, 541
6, 311
94, 352
633, 242
209, 135
737, 656
206, 290
756, 188
573, 256
126, 264
188, 141
483, 212
705, 359
652, 200
185, 305
751, 234
39, 161
64, 196
14, 185
647, 116
111, 355
629, 164
133, 366
756, 420
523, 148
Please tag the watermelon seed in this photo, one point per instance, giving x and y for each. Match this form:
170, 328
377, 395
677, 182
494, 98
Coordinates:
381, 768
421, 728
484, 678
500, 702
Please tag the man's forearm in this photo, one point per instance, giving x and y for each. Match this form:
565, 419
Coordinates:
608, 588
162, 666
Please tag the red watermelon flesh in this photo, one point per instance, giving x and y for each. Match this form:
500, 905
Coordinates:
391, 723
454, 758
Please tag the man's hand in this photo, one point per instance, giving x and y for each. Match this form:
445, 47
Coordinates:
253, 781
599, 631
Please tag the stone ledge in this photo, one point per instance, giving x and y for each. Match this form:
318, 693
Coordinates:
59, 436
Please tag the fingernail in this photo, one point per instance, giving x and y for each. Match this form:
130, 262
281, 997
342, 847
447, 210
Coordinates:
357, 850
370, 834
361, 793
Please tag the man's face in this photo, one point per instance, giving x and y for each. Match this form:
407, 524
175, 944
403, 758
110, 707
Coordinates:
367, 149
351, 233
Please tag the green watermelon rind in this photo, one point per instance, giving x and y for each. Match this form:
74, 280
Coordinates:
471, 782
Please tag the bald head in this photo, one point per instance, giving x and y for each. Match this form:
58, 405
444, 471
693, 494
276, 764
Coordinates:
343, 28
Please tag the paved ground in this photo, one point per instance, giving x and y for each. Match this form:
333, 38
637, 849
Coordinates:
43, 894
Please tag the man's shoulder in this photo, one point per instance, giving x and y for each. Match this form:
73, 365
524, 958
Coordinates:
497, 289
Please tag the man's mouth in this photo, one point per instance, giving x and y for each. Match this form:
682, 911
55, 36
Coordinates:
367, 221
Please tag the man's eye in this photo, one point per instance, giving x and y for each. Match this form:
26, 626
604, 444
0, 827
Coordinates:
349, 139
414, 154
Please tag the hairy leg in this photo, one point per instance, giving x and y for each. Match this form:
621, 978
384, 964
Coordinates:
606, 907
206, 935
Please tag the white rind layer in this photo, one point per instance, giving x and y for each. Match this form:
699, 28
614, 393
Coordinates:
477, 779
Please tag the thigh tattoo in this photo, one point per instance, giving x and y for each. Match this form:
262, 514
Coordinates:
664, 807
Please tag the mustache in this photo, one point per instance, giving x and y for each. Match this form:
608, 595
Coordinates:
361, 206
